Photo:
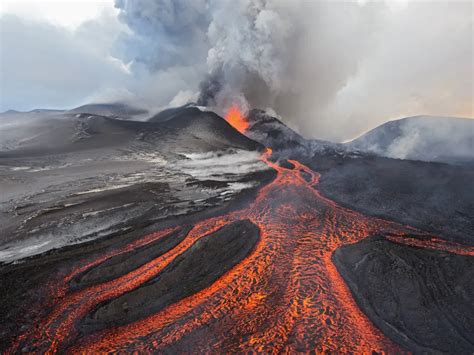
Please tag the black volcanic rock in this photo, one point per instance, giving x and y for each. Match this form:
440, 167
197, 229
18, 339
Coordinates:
427, 138
272, 132
285, 142
422, 299
204, 125
197, 268
286, 164
431, 196
126, 262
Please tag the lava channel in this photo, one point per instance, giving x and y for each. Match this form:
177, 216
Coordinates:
284, 296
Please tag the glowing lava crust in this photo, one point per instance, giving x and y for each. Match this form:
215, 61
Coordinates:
285, 296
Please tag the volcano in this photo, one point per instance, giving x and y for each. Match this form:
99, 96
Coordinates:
189, 232
427, 138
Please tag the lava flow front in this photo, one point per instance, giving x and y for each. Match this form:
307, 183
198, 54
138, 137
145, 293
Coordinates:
285, 295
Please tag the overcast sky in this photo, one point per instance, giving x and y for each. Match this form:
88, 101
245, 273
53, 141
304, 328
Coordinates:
332, 69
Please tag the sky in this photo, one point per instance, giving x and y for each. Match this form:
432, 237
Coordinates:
330, 69
67, 13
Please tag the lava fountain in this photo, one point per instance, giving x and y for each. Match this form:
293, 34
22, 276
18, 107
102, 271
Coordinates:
236, 119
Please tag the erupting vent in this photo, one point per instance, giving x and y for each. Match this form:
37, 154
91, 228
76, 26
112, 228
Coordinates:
236, 119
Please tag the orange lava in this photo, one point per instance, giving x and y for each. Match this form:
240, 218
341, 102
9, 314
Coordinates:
236, 119
285, 296
434, 243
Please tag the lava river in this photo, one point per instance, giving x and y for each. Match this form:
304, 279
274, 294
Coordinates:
284, 296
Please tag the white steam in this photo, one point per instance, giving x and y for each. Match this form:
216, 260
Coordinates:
427, 138
333, 69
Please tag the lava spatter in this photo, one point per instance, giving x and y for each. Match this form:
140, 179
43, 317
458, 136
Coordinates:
285, 296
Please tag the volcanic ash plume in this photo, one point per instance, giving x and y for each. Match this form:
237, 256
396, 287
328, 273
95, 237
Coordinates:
291, 57
247, 55
318, 64
236, 47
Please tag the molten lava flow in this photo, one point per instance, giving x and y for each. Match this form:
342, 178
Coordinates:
236, 119
285, 296
434, 244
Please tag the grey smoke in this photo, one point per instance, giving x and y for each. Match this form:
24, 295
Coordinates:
330, 69
427, 138
165, 33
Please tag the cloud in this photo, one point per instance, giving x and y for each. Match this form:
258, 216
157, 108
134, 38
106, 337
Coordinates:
43, 65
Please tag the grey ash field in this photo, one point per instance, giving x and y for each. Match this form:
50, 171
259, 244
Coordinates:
77, 183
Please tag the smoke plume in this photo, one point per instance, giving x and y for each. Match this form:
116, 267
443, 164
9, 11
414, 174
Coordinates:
329, 69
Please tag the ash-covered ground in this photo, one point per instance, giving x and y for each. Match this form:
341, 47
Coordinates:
80, 183
74, 177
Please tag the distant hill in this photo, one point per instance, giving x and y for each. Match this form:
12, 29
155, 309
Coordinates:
173, 112
188, 130
425, 138
36, 110
110, 110
285, 142
114, 110
207, 126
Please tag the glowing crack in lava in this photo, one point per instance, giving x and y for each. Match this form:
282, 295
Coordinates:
285, 296
236, 119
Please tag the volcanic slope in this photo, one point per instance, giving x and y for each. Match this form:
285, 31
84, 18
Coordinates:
70, 178
278, 293
426, 138
272, 132
191, 121
433, 196
421, 297
267, 284
65, 132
